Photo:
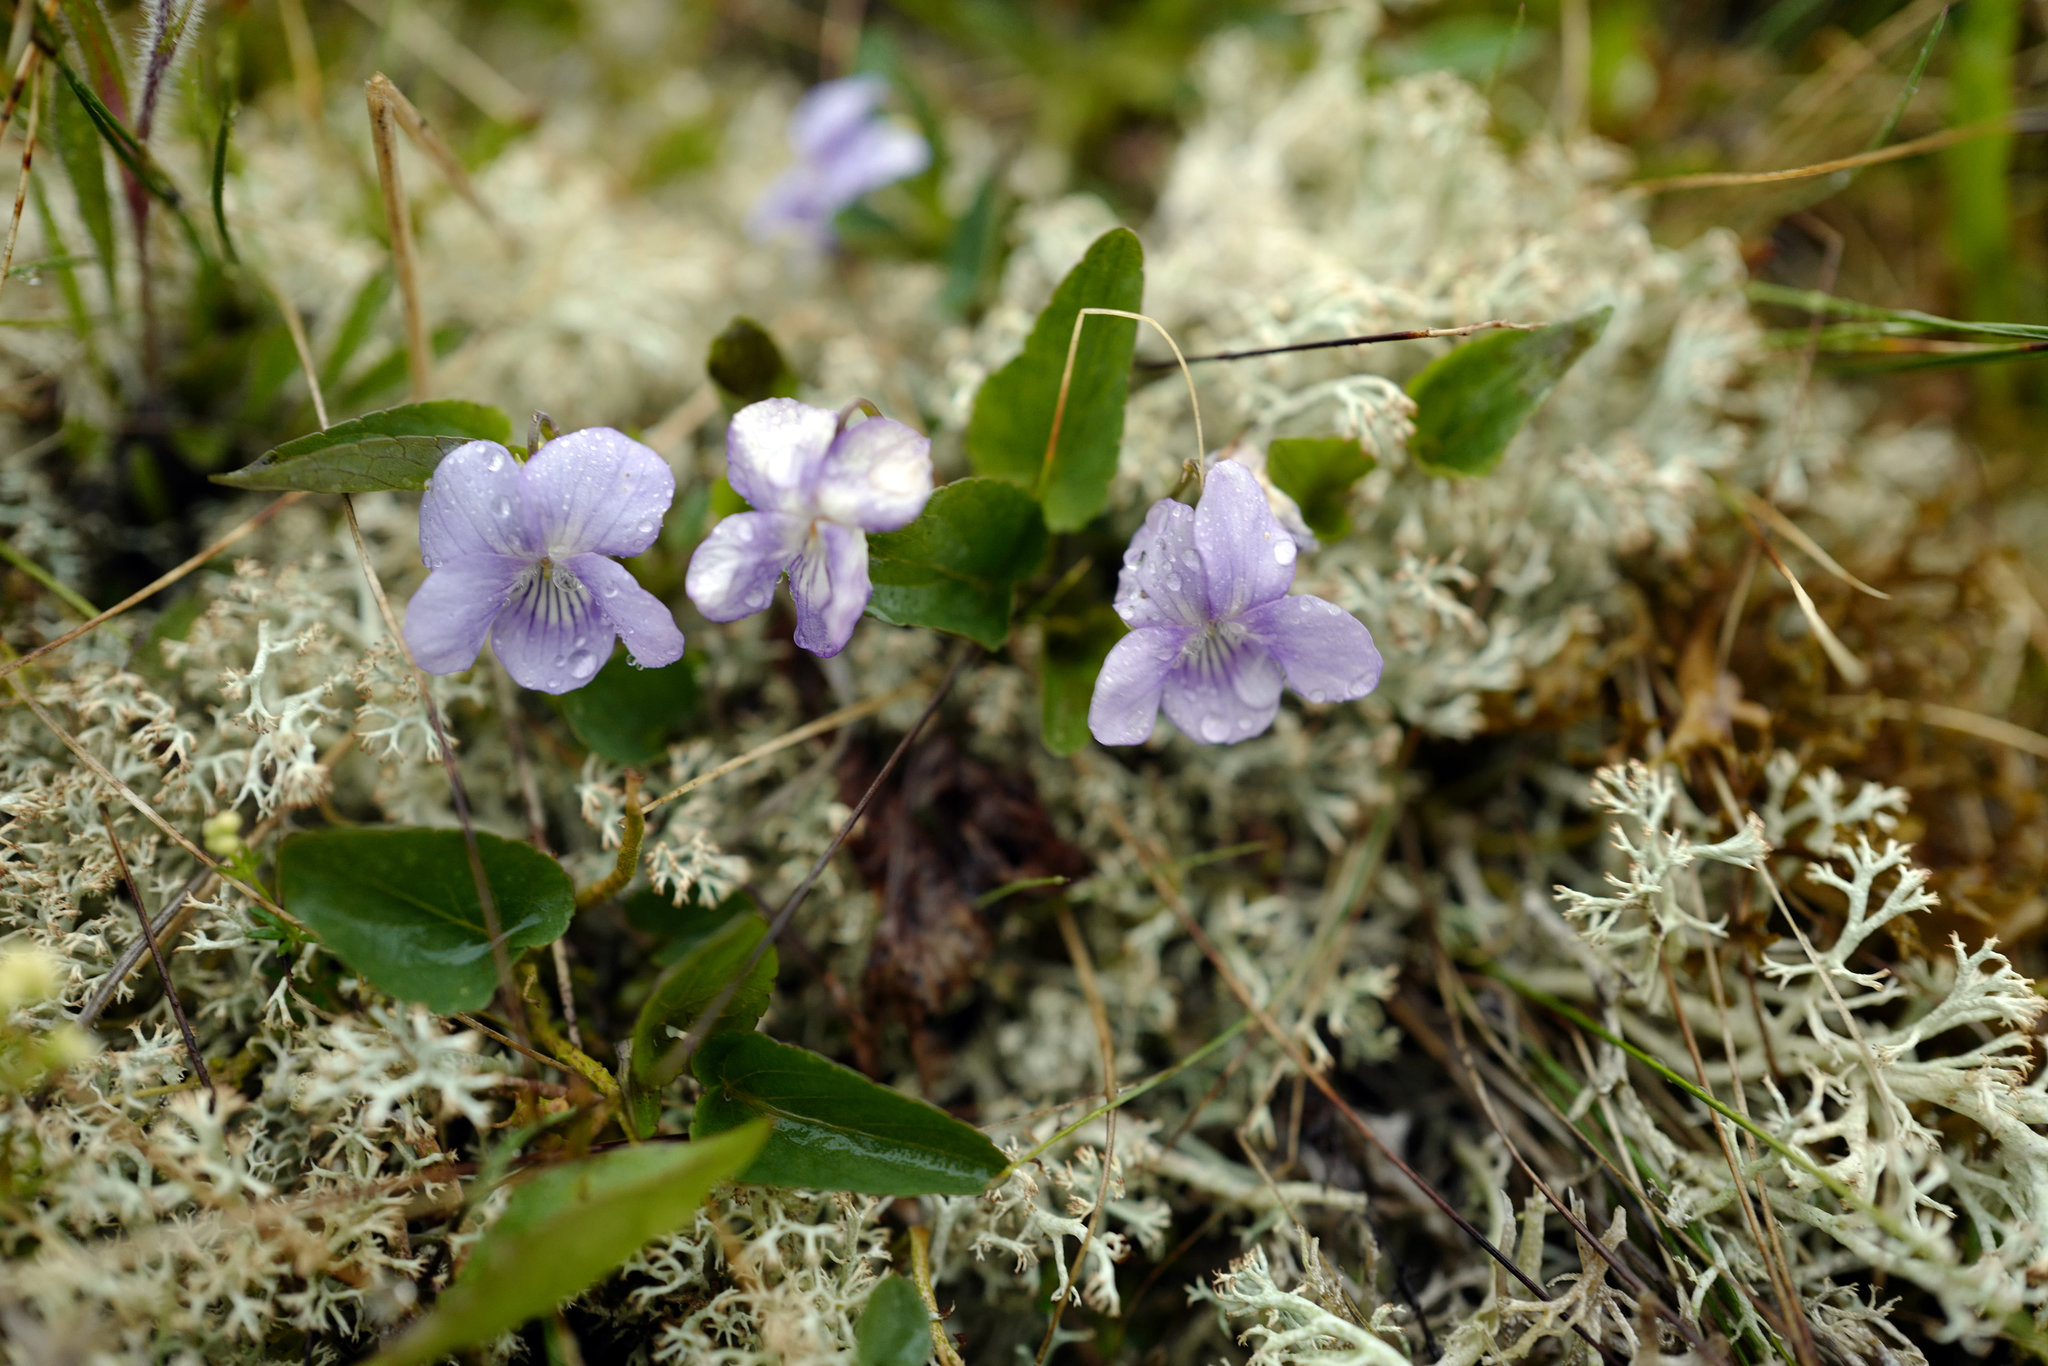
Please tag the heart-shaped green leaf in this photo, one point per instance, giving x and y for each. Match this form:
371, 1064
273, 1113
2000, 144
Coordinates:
834, 1129
628, 714
894, 1329
957, 566
1012, 421
1317, 472
1074, 650
400, 907
396, 448
684, 992
565, 1230
1469, 404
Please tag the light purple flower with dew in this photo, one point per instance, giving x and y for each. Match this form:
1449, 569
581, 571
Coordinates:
1214, 633
816, 490
845, 148
518, 553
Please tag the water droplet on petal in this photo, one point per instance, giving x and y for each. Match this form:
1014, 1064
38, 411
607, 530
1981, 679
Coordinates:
504, 507
1317, 695
1215, 729
1173, 583
1283, 552
756, 601
611, 590
1307, 604
583, 663
560, 660
495, 463
743, 531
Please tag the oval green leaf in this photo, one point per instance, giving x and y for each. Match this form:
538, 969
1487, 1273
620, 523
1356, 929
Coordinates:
565, 1230
396, 448
1012, 420
894, 1328
1317, 472
957, 566
628, 714
835, 1129
684, 992
400, 907
1074, 650
1470, 403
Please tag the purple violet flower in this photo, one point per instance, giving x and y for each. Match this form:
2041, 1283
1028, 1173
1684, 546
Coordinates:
518, 553
845, 148
1214, 633
816, 491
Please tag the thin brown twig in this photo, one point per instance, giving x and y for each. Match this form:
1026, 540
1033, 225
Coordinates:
487, 902
1370, 339
828, 722
383, 98
163, 969
921, 1273
678, 1055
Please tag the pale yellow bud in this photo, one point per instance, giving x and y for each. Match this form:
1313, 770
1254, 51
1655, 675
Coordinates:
222, 834
27, 975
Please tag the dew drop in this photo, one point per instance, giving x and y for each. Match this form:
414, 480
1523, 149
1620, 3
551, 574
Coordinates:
611, 590
1317, 695
579, 641
1283, 552
495, 463
1307, 604
560, 660
583, 664
1215, 729
1173, 583
743, 531
756, 601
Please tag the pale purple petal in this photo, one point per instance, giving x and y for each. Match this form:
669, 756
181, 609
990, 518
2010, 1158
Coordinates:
1225, 687
793, 206
1161, 583
475, 505
551, 637
880, 154
1126, 702
1248, 557
733, 573
877, 476
1327, 653
774, 451
598, 491
448, 618
831, 113
831, 588
641, 619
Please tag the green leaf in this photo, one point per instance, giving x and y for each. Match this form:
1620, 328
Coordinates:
565, 1230
835, 1129
957, 566
1317, 472
356, 326
747, 365
78, 147
975, 252
628, 714
1470, 403
1012, 421
400, 907
1074, 650
396, 448
684, 992
894, 1328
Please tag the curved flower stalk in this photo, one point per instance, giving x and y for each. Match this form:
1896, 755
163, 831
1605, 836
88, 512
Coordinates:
816, 489
845, 149
519, 553
1214, 633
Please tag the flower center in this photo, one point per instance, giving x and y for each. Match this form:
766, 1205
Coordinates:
1209, 650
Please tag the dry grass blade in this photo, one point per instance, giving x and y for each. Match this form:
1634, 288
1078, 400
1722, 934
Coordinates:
2019, 121
28, 158
1170, 894
384, 101
921, 1272
1789, 529
1854, 671
1956, 719
829, 722
155, 586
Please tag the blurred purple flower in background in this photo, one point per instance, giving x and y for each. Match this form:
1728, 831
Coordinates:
816, 491
845, 148
1214, 634
518, 553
